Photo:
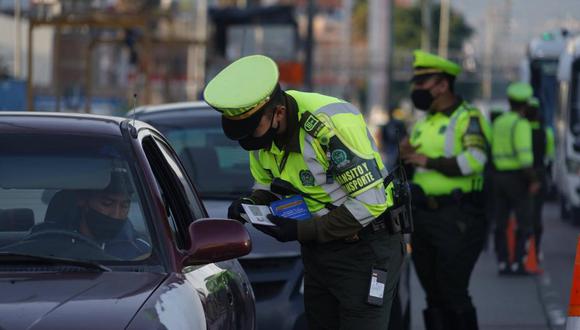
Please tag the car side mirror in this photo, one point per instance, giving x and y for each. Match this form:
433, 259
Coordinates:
283, 187
215, 240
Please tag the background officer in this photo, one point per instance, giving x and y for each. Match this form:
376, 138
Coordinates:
321, 145
543, 150
448, 151
515, 180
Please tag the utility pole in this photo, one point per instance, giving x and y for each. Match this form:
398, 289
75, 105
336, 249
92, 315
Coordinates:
444, 28
488, 53
308, 61
345, 56
196, 53
379, 50
17, 40
426, 25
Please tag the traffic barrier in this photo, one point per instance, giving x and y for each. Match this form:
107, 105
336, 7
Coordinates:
573, 322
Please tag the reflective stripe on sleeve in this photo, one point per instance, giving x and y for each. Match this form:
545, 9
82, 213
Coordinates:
260, 186
471, 161
450, 133
359, 211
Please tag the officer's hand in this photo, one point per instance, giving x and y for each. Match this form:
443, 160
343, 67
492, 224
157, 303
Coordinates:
405, 148
416, 159
286, 229
534, 187
235, 210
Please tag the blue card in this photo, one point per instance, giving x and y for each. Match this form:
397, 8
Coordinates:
293, 207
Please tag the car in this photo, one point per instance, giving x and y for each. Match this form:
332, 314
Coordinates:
100, 228
220, 170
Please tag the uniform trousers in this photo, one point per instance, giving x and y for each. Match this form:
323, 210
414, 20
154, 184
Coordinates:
511, 194
337, 278
446, 244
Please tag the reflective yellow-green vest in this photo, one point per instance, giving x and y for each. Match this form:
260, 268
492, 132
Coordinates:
463, 135
339, 162
512, 142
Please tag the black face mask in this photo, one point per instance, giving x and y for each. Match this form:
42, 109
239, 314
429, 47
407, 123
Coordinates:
103, 227
531, 114
422, 99
262, 142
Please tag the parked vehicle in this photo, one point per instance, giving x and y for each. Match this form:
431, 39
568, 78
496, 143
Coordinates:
567, 131
221, 175
65, 264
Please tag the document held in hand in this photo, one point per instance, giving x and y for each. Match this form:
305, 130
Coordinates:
293, 207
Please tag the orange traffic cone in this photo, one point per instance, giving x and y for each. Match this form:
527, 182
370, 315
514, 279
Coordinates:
573, 322
511, 239
531, 263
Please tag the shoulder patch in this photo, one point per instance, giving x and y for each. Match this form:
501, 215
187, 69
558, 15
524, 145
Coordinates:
474, 126
474, 137
306, 178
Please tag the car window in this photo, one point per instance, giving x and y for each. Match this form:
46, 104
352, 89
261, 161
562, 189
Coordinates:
181, 205
193, 202
219, 167
71, 197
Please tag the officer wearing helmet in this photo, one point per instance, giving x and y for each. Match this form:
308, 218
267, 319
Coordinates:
321, 146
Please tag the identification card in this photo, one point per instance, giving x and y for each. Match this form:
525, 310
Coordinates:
257, 214
377, 287
293, 207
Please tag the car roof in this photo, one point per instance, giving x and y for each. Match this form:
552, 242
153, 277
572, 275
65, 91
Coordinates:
60, 123
177, 106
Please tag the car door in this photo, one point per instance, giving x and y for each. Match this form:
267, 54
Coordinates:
222, 287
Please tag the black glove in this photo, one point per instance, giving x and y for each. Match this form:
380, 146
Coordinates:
286, 229
235, 210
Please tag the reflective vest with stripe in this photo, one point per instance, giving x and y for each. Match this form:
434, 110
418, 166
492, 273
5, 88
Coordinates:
339, 162
512, 142
463, 135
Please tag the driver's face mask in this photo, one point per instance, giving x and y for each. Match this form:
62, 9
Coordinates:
103, 227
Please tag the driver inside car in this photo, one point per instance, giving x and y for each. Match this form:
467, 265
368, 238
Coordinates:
102, 216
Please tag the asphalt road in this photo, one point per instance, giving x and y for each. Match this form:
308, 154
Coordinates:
534, 302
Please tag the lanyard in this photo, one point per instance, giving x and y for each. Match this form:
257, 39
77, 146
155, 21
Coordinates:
283, 162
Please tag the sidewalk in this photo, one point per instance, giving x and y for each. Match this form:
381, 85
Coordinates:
502, 302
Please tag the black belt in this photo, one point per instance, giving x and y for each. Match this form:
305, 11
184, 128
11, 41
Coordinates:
440, 201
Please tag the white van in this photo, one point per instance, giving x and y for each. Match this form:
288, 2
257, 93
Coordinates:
566, 169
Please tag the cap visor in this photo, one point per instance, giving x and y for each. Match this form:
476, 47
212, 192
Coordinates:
422, 77
239, 129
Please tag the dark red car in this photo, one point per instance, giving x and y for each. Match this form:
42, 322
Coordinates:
100, 228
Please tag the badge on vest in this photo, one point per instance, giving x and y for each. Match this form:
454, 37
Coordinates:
306, 178
352, 172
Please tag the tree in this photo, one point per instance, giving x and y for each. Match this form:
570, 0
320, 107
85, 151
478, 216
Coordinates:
407, 26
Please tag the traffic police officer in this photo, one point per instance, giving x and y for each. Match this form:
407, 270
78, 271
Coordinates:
321, 145
448, 151
514, 178
543, 150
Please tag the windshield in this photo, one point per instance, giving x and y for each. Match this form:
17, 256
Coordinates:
219, 167
70, 197
545, 84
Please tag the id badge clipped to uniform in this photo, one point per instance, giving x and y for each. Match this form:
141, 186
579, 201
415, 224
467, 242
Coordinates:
377, 287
